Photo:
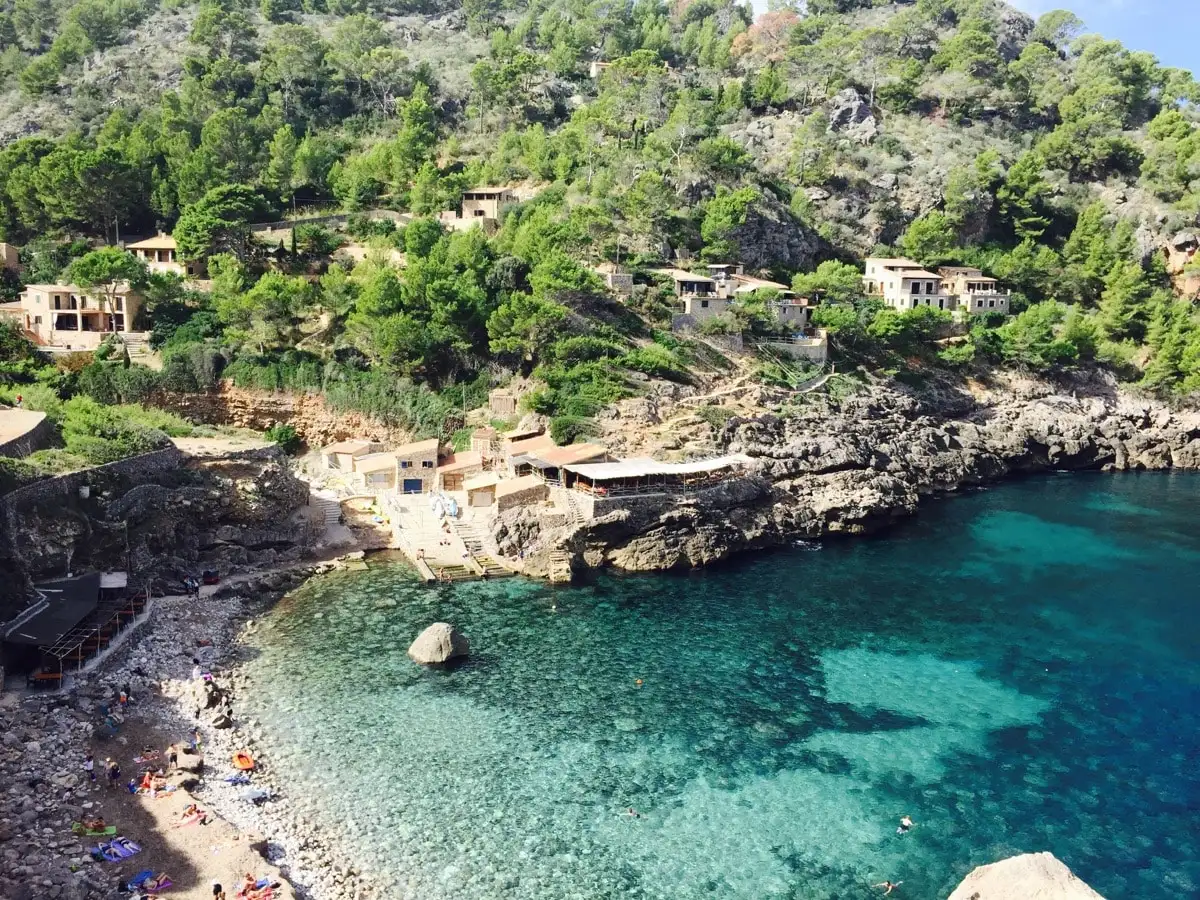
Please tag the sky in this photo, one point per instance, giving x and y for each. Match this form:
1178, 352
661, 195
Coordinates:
1166, 28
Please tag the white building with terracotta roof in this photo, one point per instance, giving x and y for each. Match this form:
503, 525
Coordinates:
904, 284
161, 254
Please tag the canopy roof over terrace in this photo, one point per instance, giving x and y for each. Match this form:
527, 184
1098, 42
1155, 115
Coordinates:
641, 467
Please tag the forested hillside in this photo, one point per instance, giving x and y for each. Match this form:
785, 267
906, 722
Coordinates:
945, 130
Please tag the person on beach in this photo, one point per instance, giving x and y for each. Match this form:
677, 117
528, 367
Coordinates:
89, 766
172, 757
888, 886
905, 824
249, 883
194, 738
197, 672
218, 891
113, 770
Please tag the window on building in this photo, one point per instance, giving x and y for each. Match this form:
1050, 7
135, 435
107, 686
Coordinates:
991, 303
916, 287
405, 464
37, 320
118, 322
426, 464
704, 304
479, 213
119, 304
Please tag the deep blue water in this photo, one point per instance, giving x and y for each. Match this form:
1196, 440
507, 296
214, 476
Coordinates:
1017, 669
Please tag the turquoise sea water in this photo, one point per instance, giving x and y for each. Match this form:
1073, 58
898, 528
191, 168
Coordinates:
1017, 669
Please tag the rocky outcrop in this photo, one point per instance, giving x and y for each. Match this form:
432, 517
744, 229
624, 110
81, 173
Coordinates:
856, 465
225, 513
771, 237
850, 115
315, 421
1183, 265
1030, 875
438, 643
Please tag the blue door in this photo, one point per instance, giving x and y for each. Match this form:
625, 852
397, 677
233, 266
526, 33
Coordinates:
411, 486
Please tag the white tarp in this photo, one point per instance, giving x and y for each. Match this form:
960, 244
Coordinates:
642, 467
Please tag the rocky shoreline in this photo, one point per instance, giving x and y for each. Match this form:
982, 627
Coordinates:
828, 465
46, 736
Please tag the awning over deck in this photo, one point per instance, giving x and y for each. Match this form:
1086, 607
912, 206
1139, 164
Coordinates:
68, 602
645, 468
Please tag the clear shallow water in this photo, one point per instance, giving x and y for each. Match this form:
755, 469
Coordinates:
1018, 670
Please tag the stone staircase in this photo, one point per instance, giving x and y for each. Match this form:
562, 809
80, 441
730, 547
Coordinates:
137, 345
560, 566
326, 511
454, 573
472, 538
574, 514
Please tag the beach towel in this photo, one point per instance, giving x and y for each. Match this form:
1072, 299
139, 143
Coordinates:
139, 878
123, 847
237, 779
78, 828
255, 795
154, 885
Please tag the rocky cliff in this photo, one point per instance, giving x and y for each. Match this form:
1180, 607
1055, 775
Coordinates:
855, 465
315, 421
1030, 875
224, 513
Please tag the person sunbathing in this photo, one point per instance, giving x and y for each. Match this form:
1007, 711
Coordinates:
94, 823
159, 883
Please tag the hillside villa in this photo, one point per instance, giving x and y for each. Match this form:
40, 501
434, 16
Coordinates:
160, 254
904, 284
479, 206
64, 317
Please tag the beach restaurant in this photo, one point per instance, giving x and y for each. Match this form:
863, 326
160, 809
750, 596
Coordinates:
73, 620
649, 476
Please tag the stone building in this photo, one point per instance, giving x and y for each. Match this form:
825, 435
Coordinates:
67, 317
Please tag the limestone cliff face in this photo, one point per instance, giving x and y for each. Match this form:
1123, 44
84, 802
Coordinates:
314, 420
1030, 875
856, 465
223, 514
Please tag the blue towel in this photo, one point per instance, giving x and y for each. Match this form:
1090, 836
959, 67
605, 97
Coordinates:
140, 878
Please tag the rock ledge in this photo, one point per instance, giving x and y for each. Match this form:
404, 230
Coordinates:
1030, 876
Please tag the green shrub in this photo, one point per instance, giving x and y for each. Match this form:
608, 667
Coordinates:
15, 473
569, 429
285, 436
656, 361
715, 416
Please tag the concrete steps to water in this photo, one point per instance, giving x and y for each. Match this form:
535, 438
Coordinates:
325, 510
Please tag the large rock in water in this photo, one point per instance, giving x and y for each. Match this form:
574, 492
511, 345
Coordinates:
437, 644
1030, 876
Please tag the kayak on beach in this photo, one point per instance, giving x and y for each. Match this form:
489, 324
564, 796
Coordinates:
243, 761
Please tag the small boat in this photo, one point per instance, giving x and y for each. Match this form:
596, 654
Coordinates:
243, 761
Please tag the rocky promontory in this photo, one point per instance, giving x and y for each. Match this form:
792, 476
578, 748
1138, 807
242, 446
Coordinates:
826, 465
1026, 877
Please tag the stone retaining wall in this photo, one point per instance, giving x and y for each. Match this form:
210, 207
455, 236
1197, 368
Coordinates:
65, 485
39, 437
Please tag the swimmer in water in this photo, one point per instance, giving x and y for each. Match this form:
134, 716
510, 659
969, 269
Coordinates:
905, 824
633, 812
888, 886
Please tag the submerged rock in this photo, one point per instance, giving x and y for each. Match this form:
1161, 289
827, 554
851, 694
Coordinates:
437, 644
1040, 875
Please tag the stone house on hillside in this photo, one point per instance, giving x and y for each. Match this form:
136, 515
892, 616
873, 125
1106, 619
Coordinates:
160, 254
66, 317
904, 284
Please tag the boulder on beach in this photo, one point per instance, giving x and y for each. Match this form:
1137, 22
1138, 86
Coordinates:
1029, 875
437, 644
